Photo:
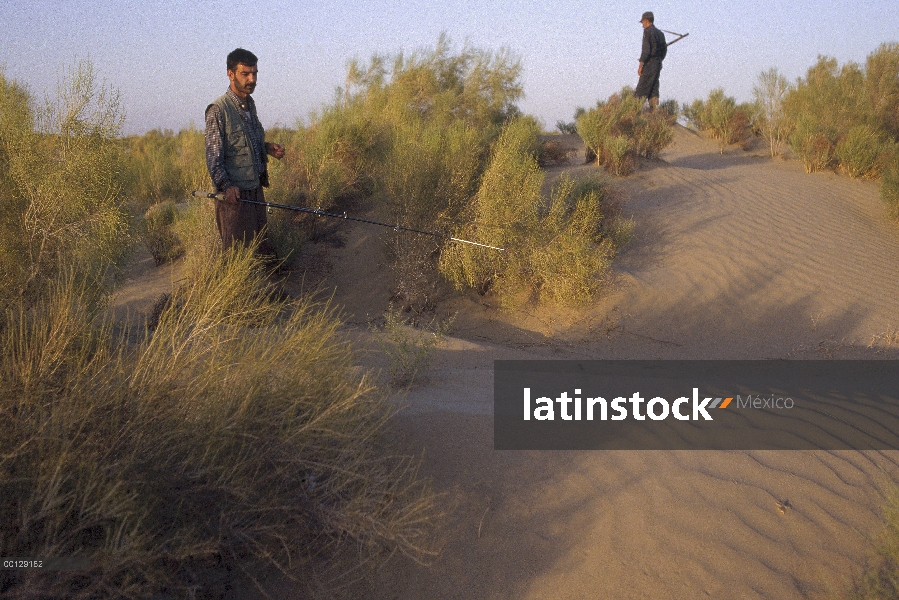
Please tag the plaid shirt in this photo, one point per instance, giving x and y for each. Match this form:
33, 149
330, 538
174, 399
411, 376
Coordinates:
215, 156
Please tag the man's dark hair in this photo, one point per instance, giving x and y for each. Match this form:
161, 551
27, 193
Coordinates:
243, 57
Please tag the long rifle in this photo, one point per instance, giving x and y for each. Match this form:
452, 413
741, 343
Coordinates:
321, 213
679, 37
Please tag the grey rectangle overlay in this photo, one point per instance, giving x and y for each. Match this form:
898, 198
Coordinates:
72, 563
696, 405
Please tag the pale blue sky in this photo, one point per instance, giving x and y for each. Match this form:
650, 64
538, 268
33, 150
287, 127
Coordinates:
168, 58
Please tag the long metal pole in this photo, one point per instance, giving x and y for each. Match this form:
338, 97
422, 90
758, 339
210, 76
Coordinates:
321, 213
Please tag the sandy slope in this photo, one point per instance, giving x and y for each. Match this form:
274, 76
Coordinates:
735, 256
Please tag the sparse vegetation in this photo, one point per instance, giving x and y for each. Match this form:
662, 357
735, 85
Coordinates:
889, 186
880, 579
157, 233
836, 117
409, 347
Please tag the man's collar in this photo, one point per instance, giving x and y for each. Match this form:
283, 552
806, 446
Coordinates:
241, 103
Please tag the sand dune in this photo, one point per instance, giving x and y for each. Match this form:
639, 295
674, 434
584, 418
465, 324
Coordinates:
735, 255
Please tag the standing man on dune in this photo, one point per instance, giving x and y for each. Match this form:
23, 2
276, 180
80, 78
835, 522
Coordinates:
237, 155
651, 57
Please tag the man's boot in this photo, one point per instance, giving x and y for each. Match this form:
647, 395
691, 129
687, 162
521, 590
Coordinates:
653, 104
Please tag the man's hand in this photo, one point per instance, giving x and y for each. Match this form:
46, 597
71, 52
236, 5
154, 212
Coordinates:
640, 70
232, 195
274, 150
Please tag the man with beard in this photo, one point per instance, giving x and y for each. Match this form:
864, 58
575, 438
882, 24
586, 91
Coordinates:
651, 57
237, 154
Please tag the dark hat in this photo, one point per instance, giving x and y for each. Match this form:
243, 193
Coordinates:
648, 17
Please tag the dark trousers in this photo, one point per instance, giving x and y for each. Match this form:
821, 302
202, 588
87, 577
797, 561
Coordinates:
648, 86
240, 223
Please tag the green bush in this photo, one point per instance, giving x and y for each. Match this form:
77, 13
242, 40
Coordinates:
862, 151
63, 184
882, 83
557, 248
564, 127
822, 108
622, 116
165, 166
720, 116
504, 210
620, 151
815, 146
889, 186
655, 134
693, 113
576, 242
670, 109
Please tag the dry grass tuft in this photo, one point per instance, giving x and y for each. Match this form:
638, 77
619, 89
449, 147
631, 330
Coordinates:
236, 432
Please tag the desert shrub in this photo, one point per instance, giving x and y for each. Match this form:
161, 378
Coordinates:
158, 235
620, 151
504, 210
330, 155
693, 113
720, 116
862, 151
164, 166
569, 127
671, 109
752, 113
769, 92
882, 83
822, 108
654, 134
409, 134
889, 186
417, 137
16, 136
430, 170
814, 145
193, 174
718, 110
62, 170
622, 116
577, 239
196, 226
116, 450
286, 233
556, 248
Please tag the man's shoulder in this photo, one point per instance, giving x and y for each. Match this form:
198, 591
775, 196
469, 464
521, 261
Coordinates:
217, 105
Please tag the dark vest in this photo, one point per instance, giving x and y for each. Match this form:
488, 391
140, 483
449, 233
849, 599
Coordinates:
236, 146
